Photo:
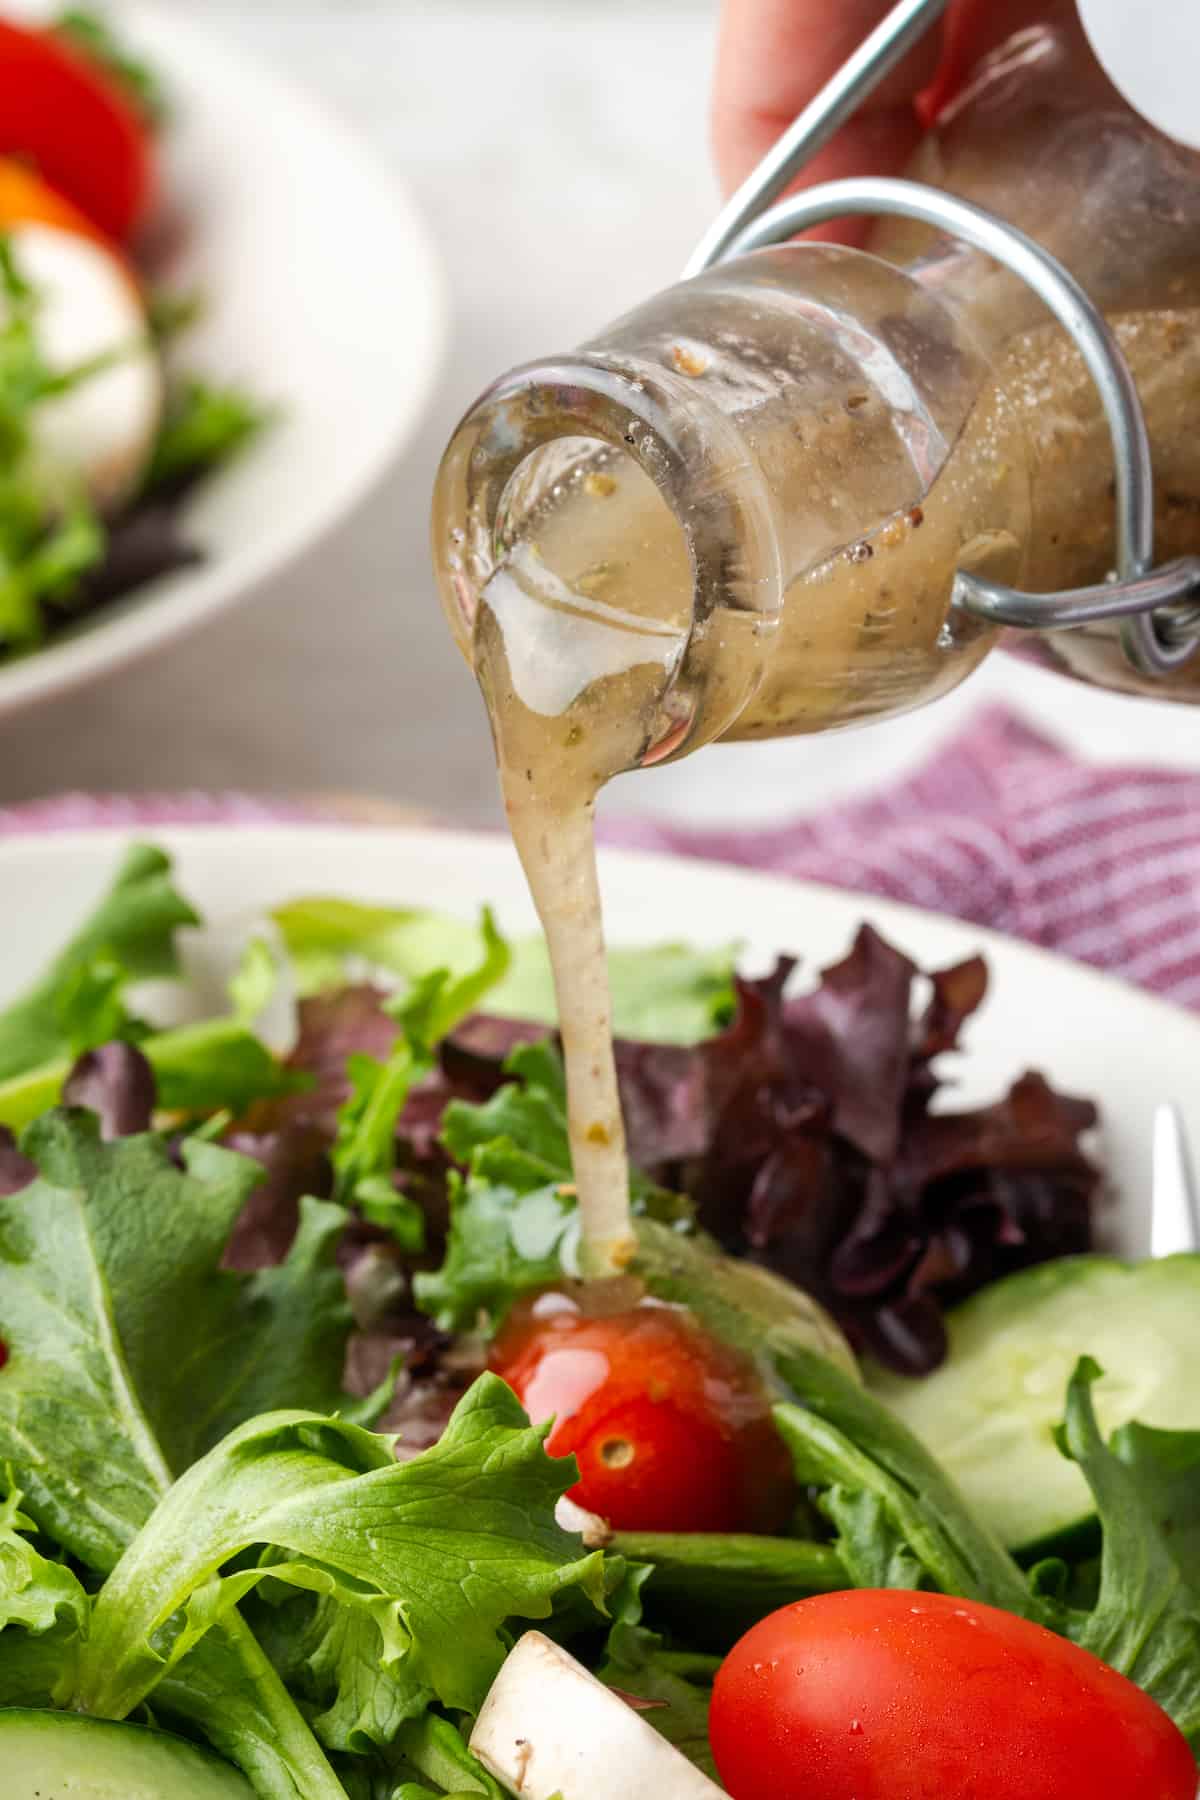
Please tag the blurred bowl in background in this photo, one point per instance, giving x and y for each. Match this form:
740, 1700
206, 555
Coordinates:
322, 296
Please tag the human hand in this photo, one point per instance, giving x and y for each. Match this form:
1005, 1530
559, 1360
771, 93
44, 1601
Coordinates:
774, 55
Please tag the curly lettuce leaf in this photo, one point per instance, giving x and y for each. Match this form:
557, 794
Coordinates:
81, 1001
44, 1614
1165, 1469
1146, 1621
354, 1677
670, 993
129, 936
364, 1151
514, 1219
438, 1552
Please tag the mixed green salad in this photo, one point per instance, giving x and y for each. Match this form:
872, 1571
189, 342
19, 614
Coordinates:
102, 437
874, 1476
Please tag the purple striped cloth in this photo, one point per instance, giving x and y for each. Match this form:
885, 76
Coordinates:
95, 812
1003, 828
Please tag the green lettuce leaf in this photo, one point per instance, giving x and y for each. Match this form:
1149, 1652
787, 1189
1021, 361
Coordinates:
364, 1153
514, 1220
110, 1233
228, 1689
129, 936
1146, 1621
436, 1752
130, 1349
668, 994
443, 997
900, 1520
253, 981
50, 534
704, 1577
1165, 1467
677, 1685
209, 1066
80, 1001
353, 1674
204, 427
439, 1552
44, 1614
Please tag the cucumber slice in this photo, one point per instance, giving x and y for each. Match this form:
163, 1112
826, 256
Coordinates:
65, 1756
989, 1413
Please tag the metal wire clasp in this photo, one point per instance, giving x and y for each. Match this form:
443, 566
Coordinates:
1159, 608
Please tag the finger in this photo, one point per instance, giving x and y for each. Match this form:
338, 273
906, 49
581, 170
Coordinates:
774, 55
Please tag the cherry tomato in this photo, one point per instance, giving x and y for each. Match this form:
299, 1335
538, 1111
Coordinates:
27, 200
671, 1430
904, 1696
67, 119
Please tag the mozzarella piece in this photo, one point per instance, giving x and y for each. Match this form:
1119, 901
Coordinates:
103, 430
596, 1534
549, 1728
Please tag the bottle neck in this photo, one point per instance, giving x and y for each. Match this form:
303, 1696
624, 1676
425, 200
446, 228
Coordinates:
688, 465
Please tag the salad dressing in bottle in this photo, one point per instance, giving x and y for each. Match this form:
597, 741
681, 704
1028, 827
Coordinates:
738, 512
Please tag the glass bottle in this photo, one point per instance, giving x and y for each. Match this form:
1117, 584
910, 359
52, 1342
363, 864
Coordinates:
768, 476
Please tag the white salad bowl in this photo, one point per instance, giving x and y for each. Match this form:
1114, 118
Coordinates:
323, 299
1088, 1033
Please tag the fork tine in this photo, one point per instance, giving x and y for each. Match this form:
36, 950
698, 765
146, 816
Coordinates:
1174, 1211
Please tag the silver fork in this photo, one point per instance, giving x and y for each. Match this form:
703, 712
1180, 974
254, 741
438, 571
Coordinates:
1174, 1208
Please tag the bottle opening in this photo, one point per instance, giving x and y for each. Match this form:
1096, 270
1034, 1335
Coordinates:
593, 577
601, 519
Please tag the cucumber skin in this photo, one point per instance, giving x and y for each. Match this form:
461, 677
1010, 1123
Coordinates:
65, 1747
1000, 1307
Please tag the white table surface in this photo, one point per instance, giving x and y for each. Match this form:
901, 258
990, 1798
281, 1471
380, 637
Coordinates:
559, 150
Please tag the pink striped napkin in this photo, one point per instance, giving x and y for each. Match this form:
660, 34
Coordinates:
1002, 828
1005, 829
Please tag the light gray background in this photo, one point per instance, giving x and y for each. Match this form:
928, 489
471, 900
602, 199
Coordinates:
560, 153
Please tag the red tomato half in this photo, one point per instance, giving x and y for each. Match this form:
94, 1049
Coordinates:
74, 127
671, 1430
901, 1696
